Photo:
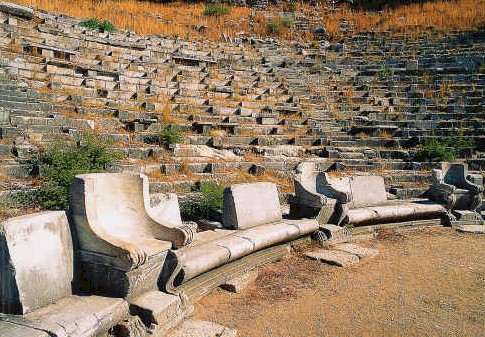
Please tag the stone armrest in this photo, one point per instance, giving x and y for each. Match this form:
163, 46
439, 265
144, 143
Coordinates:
179, 236
333, 189
308, 197
468, 185
445, 188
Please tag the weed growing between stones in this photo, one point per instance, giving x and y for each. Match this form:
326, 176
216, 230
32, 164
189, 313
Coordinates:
94, 23
59, 165
198, 206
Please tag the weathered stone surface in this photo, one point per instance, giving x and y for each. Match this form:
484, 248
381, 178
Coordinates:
336, 234
36, 261
198, 328
249, 205
335, 257
17, 10
162, 309
471, 229
123, 242
361, 252
238, 284
8, 329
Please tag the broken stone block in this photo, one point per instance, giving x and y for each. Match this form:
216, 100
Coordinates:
471, 229
361, 252
238, 284
336, 234
334, 257
197, 328
162, 309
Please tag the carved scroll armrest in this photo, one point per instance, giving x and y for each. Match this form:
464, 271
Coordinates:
330, 188
129, 254
308, 197
468, 185
179, 236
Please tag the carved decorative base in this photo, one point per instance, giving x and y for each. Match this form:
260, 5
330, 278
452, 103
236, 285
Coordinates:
97, 276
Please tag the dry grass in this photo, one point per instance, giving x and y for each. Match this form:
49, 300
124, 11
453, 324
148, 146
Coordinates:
183, 18
441, 15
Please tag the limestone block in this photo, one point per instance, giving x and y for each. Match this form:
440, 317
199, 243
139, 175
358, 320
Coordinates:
335, 257
367, 190
361, 252
238, 284
249, 205
197, 328
471, 229
36, 261
17, 10
158, 308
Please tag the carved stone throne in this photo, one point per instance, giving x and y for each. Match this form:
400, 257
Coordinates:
121, 241
459, 190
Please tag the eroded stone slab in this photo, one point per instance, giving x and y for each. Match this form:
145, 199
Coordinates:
197, 328
238, 284
158, 308
471, 229
334, 257
361, 252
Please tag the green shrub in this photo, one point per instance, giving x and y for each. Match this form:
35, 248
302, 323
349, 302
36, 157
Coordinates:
434, 150
59, 165
170, 134
437, 149
273, 27
198, 206
216, 10
95, 23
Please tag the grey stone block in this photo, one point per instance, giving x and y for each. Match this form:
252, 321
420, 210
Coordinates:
35, 247
361, 252
249, 205
334, 257
238, 284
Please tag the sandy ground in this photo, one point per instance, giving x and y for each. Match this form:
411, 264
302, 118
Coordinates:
429, 282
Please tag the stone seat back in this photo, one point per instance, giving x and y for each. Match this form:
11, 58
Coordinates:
367, 191
250, 205
36, 261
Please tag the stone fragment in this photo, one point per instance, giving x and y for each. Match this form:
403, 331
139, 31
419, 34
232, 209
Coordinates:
361, 252
336, 234
238, 284
158, 308
334, 257
471, 229
198, 328
17, 10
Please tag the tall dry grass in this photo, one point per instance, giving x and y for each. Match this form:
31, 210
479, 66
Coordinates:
180, 17
151, 18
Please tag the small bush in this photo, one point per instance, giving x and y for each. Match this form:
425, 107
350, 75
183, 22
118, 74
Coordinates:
95, 23
170, 134
59, 166
198, 206
216, 10
445, 149
273, 27
279, 25
434, 150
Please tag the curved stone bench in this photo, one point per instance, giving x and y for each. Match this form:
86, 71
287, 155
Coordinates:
253, 213
36, 271
358, 200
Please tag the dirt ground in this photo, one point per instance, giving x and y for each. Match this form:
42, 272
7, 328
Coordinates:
429, 282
